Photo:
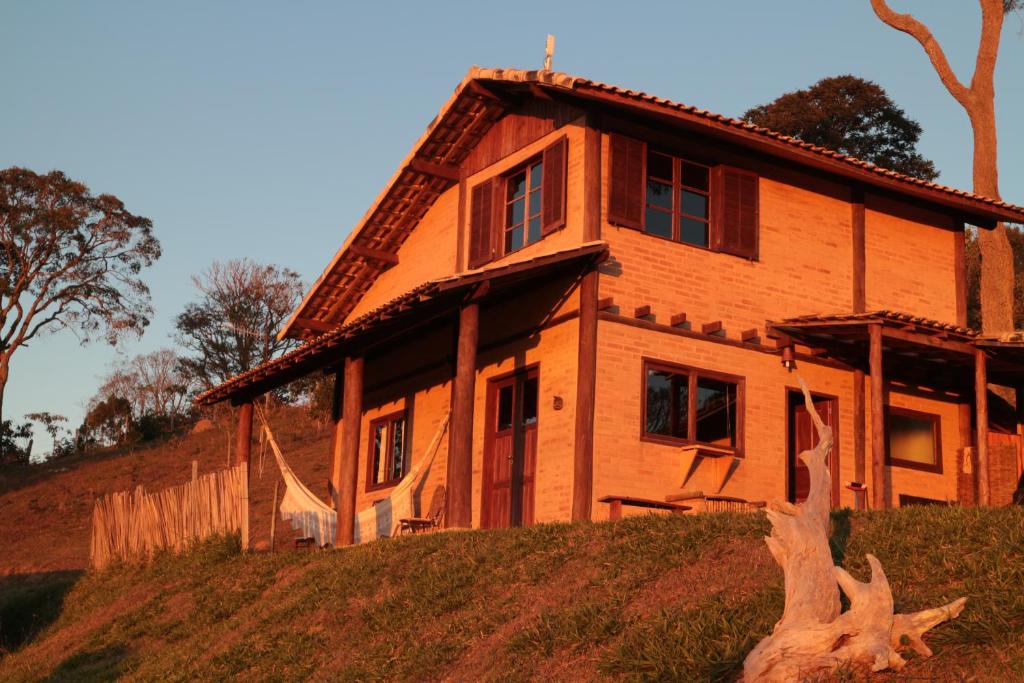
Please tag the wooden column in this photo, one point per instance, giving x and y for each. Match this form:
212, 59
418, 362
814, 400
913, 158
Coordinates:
1019, 401
337, 391
967, 489
586, 388
879, 501
460, 436
351, 421
586, 359
960, 274
859, 254
859, 416
243, 434
981, 428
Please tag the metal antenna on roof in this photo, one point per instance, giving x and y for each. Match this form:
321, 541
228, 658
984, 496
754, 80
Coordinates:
549, 52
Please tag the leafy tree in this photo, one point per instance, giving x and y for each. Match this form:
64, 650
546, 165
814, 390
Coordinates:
11, 452
233, 327
849, 115
54, 426
108, 422
978, 101
68, 259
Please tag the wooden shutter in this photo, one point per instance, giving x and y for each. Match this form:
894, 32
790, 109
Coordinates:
736, 217
481, 223
626, 182
553, 186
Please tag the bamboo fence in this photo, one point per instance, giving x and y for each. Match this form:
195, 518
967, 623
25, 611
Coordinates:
131, 526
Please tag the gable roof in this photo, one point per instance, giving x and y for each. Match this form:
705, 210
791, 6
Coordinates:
483, 96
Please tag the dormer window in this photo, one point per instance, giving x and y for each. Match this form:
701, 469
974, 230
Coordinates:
517, 208
523, 195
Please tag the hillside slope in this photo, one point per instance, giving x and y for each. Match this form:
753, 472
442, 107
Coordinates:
46, 510
656, 598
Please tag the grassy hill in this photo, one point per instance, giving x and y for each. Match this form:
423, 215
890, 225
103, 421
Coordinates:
657, 598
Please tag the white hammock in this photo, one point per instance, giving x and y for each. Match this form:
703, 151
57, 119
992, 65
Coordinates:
314, 518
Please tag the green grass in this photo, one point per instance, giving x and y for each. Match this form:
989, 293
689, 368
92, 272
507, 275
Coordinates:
648, 598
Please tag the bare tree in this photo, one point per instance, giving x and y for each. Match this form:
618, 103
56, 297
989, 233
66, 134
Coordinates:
978, 100
68, 259
233, 327
152, 383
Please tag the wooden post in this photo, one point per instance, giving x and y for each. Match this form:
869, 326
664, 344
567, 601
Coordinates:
336, 429
351, 421
586, 387
960, 273
195, 470
245, 503
273, 517
859, 256
1019, 401
243, 435
981, 415
970, 495
879, 501
460, 436
859, 416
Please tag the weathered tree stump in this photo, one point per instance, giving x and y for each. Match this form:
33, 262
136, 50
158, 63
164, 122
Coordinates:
812, 637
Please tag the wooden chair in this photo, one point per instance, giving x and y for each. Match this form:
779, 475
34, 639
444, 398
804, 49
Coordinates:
433, 518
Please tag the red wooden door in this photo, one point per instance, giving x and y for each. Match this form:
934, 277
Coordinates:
803, 437
510, 451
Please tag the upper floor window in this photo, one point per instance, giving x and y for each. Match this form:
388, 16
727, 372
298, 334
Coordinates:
682, 200
683, 404
523, 193
387, 461
678, 201
510, 211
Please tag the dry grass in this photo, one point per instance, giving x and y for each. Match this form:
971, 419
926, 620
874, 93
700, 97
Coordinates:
648, 598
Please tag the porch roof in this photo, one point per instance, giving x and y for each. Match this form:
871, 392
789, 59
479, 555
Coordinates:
915, 349
421, 304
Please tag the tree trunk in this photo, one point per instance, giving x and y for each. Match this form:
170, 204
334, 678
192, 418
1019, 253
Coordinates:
812, 638
997, 276
5, 369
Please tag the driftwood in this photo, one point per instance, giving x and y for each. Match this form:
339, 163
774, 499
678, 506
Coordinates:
812, 638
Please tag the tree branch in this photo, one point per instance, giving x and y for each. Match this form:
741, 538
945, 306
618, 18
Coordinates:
917, 30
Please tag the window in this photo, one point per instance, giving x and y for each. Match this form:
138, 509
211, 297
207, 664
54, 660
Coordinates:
678, 199
713, 207
687, 405
913, 439
387, 461
523, 206
510, 211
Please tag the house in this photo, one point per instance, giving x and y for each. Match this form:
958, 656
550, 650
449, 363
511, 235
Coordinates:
608, 290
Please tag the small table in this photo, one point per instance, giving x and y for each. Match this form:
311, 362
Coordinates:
616, 502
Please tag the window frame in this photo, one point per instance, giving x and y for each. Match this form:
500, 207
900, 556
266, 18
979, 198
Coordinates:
694, 374
677, 187
389, 419
936, 421
504, 179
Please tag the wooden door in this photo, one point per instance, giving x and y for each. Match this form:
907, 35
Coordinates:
510, 450
803, 437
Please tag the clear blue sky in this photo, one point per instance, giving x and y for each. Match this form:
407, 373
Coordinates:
266, 129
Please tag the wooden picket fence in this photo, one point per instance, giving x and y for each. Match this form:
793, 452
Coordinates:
131, 526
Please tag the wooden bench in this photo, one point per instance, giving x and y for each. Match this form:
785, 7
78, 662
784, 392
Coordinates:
616, 503
731, 504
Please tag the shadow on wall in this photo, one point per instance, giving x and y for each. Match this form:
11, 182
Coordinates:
29, 603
